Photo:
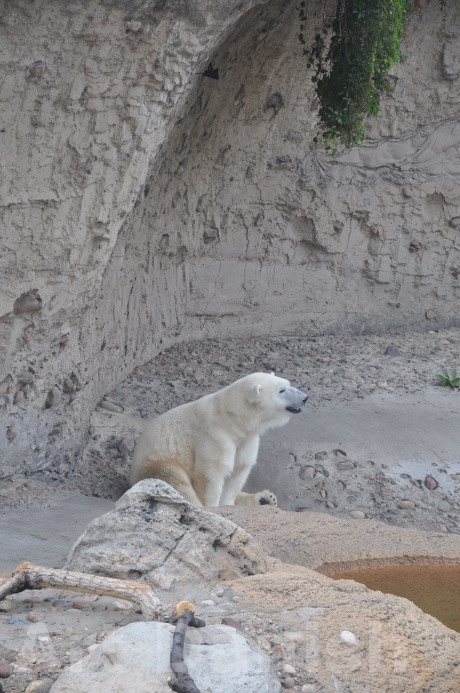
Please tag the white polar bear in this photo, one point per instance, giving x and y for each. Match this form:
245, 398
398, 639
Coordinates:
206, 449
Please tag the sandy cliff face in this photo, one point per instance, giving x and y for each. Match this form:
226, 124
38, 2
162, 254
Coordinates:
144, 204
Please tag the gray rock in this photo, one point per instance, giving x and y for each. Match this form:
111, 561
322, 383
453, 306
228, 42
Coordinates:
307, 473
6, 669
444, 506
155, 536
126, 445
110, 406
53, 397
392, 351
136, 658
406, 505
69, 386
26, 378
39, 686
345, 466
12, 431
27, 303
357, 514
431, 483
18, 397
321, 455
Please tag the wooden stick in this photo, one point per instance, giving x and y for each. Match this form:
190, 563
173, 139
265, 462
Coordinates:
182, 682
33, 577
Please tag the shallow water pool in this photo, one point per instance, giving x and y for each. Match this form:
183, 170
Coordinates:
435, 588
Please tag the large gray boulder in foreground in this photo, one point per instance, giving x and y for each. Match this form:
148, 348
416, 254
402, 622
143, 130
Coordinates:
155, 536
136, 658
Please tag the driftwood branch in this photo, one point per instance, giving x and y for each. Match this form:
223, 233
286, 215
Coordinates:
34, 577
182, 682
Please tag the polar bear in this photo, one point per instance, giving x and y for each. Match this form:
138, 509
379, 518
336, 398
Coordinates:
206, 449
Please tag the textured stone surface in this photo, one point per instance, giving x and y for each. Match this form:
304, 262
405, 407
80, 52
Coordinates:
155, 536
136, 658
144, 204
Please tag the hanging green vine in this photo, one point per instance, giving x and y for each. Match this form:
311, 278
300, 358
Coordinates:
352, 56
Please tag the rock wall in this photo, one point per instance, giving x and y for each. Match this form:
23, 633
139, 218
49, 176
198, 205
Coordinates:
145, 204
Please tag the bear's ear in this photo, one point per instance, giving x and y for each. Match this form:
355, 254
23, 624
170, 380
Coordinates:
254, 394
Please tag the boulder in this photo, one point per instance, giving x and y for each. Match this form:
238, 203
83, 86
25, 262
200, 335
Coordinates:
136, 658
155, 536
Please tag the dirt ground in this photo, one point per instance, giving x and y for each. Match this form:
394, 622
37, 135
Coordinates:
355, 499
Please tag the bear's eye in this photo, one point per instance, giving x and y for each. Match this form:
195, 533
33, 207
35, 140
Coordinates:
283, 390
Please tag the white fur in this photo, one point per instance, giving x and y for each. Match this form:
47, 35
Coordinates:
206, 449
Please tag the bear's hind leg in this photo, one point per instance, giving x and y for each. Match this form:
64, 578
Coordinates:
261, 498
172, 474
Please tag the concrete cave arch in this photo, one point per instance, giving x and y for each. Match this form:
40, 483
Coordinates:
227, 222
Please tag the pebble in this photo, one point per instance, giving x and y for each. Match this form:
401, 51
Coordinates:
7, 605
126, 445
357, 514
82, 603
110, 406
406, 505
39, 686
73, 612
61, 603
295, 636
431, 483
392, 351
308, 688
321, 455
53, 397
348, 637
231, 622
6, 669
444, 506
288, 669
91, 648
289, 683
19, 397
119, 605
345, 466
35, 616
69, 386
307, 473
26, 303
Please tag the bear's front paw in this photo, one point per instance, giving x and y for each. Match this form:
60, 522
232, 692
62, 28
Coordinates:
266, 498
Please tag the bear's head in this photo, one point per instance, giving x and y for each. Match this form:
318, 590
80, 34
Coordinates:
273, 396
